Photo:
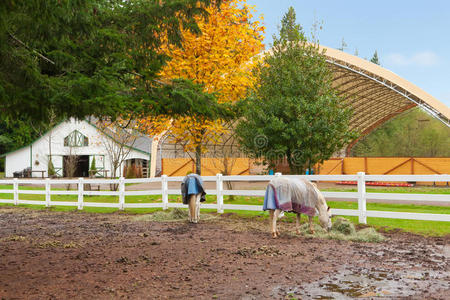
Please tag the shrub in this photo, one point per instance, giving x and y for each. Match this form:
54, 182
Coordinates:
131, 172
93, 168
51, 169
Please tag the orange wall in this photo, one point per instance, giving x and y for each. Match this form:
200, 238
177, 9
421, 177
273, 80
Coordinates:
210, 166
387, 165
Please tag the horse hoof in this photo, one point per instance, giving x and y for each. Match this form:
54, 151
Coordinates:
274, 235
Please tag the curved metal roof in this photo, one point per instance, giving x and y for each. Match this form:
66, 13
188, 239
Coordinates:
377, 94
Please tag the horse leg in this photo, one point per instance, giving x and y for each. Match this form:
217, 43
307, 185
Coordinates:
197, 208
272, 228
277, 214
191, 208
311, 228
297, 222
275, 232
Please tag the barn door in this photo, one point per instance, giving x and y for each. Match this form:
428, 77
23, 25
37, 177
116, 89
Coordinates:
57, 161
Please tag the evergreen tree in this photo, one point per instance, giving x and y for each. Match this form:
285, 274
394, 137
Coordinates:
290, 30
94, 57
294, 112
93, 168
375, 59
51, 169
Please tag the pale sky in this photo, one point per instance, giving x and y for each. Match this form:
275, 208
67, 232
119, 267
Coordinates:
412, 38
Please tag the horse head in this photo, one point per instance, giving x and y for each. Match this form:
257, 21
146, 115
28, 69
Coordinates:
324, 213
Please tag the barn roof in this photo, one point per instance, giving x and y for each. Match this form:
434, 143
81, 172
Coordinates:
375, 93
141, 144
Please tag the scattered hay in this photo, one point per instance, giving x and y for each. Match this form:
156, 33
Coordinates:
50, 244
343, 226
177, 214
263, 250
171, 215
343, 229
71, 245
369, 235
15, 238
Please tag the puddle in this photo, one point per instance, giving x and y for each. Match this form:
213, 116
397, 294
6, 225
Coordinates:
369, 283
446, 251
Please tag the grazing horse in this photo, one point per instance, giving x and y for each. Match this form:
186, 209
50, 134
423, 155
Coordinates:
298, 196
193, 193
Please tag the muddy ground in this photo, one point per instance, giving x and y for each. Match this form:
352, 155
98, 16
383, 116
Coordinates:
56, 255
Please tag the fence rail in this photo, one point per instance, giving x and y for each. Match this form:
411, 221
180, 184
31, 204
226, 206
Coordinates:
361, 195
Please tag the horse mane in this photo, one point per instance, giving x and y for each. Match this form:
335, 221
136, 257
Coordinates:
321, 203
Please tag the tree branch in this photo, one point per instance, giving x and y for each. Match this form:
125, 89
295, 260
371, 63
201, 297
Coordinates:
32, 50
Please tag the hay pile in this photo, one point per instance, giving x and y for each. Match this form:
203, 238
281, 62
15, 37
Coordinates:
343, 229
170, 215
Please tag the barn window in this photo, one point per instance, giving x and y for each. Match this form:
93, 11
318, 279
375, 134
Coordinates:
76, 139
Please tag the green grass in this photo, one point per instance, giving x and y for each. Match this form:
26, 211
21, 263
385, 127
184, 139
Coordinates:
2, 174
433, 228
400, 190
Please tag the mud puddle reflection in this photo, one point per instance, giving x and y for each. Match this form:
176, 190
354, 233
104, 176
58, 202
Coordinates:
365, 283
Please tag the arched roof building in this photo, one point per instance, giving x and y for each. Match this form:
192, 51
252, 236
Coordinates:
377, 94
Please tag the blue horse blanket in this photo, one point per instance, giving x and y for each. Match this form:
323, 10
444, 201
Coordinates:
192, 185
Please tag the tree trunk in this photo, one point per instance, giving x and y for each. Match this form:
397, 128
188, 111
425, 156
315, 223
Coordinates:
292, 168
309, 166
198, 160
226, 172
114, 166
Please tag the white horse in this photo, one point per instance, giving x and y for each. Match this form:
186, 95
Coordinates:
193, 193
194, 207
298, 196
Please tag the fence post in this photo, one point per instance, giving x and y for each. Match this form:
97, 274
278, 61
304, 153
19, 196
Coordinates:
121, 193
16, 191
80, 192
219, 187
47, 192
164, 192
362, 198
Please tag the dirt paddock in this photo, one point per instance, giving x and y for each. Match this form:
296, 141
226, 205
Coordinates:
56, 255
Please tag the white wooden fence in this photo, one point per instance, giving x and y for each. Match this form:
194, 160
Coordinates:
220, 192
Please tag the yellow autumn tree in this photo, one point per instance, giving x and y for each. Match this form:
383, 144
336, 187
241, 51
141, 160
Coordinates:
219, 59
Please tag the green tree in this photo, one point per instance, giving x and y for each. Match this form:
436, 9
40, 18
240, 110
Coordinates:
375, 59
294, 112
290, 30
51, 169
16, 133
93, 57
413, 133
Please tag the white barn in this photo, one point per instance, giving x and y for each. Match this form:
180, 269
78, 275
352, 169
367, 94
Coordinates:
80, 140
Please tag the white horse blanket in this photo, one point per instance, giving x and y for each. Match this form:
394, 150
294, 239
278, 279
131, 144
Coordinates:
291, 195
